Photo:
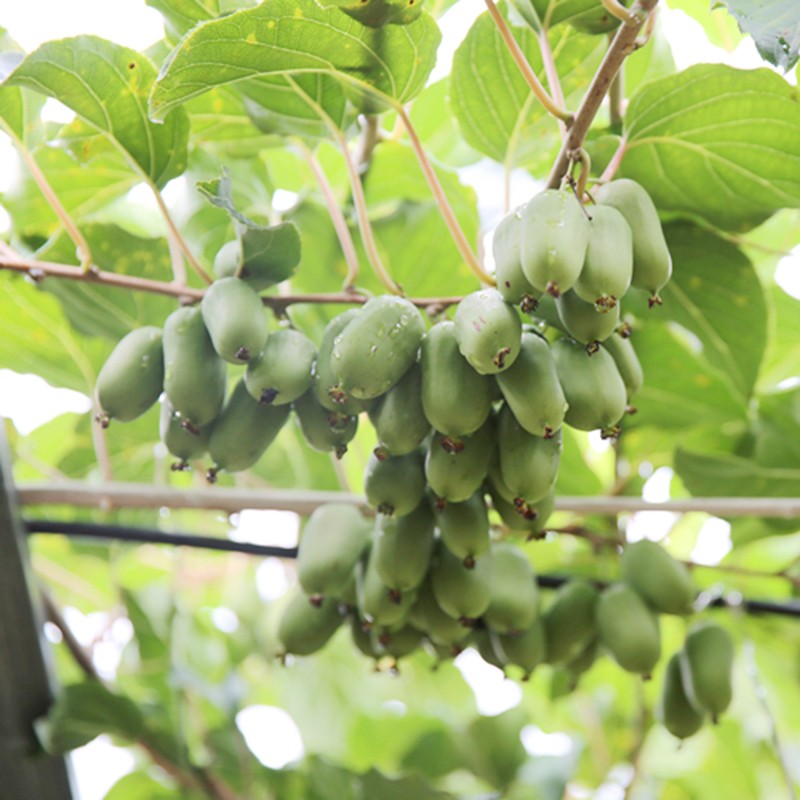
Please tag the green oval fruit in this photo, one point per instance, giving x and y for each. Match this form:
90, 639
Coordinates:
324, 430
305, 628
283, 370
488, 331
461, 593
583, 321
592, 385
554, 234
374, 351
627, 362
456, 468
487, 644
511, 281
327, 383
528, 463
531, 388
514, 603
228, 259
590, 16
427, 615
608, 267
394, 485
652, 263
194, 375
706, 668
402, 547
628, 629
398, 417
569, 621
243, 431
674, 711
361, 633
332, 541
380, 605
661, 580
527, 648
464, 528
183, 444
456, 399
400, 643
131, 379
261, 257
235, 319
532, 519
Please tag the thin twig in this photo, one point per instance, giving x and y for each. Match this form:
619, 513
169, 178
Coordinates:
177, 236
617, 10
74, 233
357, 189
622, 46
40, 270
82, 656
370, 136
337, 217
559, 112
553, 81
614, 164
441, 200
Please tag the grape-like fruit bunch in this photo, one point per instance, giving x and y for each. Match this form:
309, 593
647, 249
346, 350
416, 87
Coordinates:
468, 416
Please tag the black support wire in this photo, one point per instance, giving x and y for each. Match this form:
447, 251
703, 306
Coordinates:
89, 530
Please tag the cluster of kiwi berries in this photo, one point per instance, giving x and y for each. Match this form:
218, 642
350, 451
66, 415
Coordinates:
469, 409
401, 587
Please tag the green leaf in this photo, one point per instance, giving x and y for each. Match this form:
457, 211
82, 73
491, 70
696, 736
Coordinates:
716, 142
18, 111
717, 23
107, 85
107, 311
139, 786
82, 188
183, 15
495, 109
36, 337
715, 293
266, 249
713, 475
290, 37
377, 13
774, 26
777, 443
85, 710
680, 390
782, 360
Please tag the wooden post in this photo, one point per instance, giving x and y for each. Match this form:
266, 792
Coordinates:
26, 676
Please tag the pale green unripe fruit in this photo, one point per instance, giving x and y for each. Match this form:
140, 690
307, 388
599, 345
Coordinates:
661, 580
706, 668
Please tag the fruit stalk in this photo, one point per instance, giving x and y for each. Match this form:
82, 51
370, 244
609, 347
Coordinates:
622, 46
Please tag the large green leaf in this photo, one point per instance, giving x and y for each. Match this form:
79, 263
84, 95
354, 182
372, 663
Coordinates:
84, 711
496, 111
709, 474
18, 112
106, 311
182, 15
718, 25
680, 390
774, 26
288, 37
82, 188
716, 142
715, 293
107, 85
777, 443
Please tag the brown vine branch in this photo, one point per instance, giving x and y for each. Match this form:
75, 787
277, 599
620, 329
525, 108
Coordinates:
370, 136
559, 112
337, 217
40, 270
623, 44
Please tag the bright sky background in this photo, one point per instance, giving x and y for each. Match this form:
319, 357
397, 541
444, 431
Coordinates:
270, 732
